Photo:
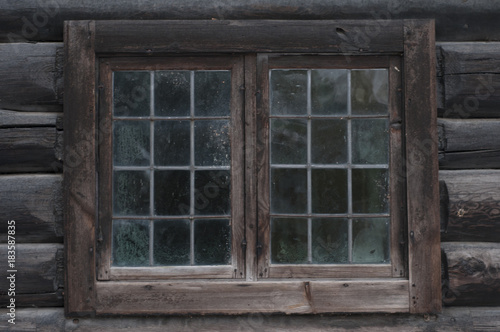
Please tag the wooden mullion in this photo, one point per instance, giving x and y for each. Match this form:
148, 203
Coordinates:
79, 168
422, 166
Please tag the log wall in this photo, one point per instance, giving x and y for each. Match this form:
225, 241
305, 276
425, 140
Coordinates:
31, 158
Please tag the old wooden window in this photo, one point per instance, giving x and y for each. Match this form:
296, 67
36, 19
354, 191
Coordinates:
250, 166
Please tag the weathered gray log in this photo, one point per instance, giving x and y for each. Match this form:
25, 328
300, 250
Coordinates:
471, 77
471, 274
33, 149
472, 205
31, 76
39, 279
471, 143
35, 203
13, 119
451, 319
43, 20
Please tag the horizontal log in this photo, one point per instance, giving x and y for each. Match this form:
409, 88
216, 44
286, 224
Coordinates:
472, 274
43, 20
34, 202
470, 58
39, 279
31, 76
451, 319
470, 205
33, 149
471, 143
13, 119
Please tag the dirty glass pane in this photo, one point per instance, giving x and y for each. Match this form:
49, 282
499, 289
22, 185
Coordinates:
211, 143
329, 241
329, 91
288, 190
130, 243
212, 93
288, 240
328, 141
131, 143
370, 141
212, 242
288, 141
172, 95
369, 191
369, 92
370, 240
171, 242
329, 190
288, 92
130, 193
172, 193
131, 93
172, 143
212, 189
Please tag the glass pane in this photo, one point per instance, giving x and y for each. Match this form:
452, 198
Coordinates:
212, 93
131, 93
130, 193
172, 192
370, 141
329, 190
288, 240
212, 242
288, 92
211, 143
131, 143
172, 143
212, 189
172, 95
369, 92
171, 242
369, 191
288, 190
329, 241
288, 141
130, 243
328, 141
329, 91
370, 242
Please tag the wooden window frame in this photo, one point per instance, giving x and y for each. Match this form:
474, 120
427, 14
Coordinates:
87, 43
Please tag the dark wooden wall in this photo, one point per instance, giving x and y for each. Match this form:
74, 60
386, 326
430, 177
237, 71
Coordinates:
31, 154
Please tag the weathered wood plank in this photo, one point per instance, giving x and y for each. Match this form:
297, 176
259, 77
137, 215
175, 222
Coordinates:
472, 275
31, 76
422, 169
43, 20
375, 295
471, 143
459, 319
470, 57
35, 203
472, 206
156, 37
39, 278
29, 150
13, 119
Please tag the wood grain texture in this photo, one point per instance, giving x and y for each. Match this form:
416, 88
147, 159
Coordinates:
29, 150
471, 78
79, 168
31, 76
472, 205
13, 119
242, 297
35, 203
156, 37
459, 319
472, 274
469, 143
39, 276
422, 167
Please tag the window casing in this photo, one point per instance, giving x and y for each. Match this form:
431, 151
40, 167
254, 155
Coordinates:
405, 280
